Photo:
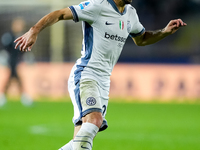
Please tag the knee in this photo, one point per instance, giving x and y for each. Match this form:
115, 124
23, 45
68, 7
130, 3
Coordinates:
94, 118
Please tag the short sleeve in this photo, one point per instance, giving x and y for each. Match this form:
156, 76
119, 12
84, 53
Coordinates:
136, 27
85, 11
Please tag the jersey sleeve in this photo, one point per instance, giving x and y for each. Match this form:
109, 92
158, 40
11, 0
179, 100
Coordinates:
136, 27
85, 11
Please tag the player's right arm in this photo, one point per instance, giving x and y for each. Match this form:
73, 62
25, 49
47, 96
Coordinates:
26, 41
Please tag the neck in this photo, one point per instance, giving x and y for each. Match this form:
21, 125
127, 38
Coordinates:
120, 5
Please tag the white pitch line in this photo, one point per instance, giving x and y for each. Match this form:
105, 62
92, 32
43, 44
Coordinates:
38, 129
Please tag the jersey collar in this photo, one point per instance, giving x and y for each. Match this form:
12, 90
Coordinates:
115, 7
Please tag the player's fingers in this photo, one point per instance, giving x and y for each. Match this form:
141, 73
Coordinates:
18, 43
174, 26
177, 23
21, 42
184, 24
19, 38
172, 23
29, 48
25, 46
180, 22
21, 46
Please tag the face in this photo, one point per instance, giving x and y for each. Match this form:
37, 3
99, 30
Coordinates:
127, 1
18, 25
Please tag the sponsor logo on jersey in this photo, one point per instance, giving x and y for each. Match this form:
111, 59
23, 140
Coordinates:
128, 26
121, 25
109, 23
84, 4
115, 37
91, 101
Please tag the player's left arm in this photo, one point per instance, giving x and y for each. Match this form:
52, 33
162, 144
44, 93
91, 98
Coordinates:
150, 37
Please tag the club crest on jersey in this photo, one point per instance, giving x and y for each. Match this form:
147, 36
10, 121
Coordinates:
128, 26
121, 25
91, 101
84, 4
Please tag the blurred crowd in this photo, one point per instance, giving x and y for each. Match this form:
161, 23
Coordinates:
182, 47
158, 12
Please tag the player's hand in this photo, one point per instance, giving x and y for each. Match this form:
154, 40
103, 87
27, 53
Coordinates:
174, 25
26, 41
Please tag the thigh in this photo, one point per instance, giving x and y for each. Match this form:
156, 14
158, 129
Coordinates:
94, 99
87, 96
90, 97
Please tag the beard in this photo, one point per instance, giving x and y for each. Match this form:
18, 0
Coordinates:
127, 1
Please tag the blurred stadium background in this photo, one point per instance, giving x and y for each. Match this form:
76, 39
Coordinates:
168, 71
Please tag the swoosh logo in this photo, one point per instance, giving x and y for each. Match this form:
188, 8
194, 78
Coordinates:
84, 147
107, 23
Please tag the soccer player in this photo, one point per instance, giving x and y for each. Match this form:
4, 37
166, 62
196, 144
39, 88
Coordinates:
10, 59
106, 25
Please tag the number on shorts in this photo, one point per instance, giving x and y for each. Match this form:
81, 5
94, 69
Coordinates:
104, 109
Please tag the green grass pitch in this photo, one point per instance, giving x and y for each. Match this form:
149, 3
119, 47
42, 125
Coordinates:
132, 126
